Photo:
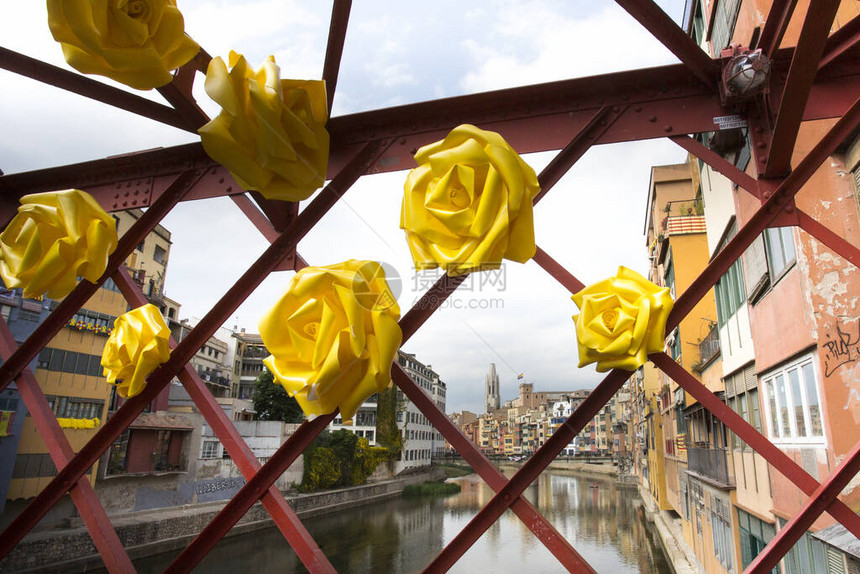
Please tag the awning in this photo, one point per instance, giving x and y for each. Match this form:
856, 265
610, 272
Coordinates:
161, 421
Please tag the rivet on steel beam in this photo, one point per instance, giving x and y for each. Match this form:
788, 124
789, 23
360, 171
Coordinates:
637, 109
652, 119
229, 188
402, 141
221, 180
789, 208
134, 202
124, 203
667, 129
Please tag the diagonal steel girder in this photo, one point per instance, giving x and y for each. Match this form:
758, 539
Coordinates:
60, 316
83, 495
662, 27
282, 515
410, 322
801, 75
221, 312
777, 458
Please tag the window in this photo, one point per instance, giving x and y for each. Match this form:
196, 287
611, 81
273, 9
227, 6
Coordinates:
729, 290
779, 245
721, 531
75, 408
160, 255
806, 556
746, 404
210, 449
754, 535
792, 403
670, 275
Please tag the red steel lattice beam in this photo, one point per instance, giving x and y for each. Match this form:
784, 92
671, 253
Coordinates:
776, 25
770, 211
59, 318
662, 27
334, 48
282, 515
220, 313
801, 74
82, 494
818, 501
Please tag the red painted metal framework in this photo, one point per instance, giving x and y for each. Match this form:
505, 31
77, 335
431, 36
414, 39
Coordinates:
819, 79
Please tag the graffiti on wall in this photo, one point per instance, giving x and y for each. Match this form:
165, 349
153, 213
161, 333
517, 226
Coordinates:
842, 345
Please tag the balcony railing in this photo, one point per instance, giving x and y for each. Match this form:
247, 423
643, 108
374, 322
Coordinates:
710, 346
711, 463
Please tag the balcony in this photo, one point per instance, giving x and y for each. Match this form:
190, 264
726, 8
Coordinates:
709, 348
710, 463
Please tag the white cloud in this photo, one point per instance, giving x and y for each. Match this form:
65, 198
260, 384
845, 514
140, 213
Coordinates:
550, 45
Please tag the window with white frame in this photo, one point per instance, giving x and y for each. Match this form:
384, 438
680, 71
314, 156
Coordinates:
211, 448
792, 403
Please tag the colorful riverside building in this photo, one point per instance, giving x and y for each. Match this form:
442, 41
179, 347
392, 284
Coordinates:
787, 312
69, 372
678, 252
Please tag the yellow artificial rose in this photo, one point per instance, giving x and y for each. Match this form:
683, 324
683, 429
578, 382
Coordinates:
621, 320
136, 346
55, 238
135, 42
468, 204
333, 336
271, 132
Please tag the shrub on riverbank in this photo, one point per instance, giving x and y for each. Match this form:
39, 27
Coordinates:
432, 489
455, 470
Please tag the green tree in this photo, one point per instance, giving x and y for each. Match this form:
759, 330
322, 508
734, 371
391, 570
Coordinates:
387, 433
272, 402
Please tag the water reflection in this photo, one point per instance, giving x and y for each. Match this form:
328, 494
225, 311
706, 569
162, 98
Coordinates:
601, 520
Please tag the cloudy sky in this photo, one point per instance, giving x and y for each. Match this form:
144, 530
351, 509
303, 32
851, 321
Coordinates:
395, 53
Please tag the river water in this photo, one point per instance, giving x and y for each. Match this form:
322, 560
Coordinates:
603, 521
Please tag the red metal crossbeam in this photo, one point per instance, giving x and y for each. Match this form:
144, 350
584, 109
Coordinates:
70, 305
529, 471
719, 164
243, 500
83, 496
801, 75
282, 515
534, 521
776, 25
777, 458
842, 43
557, 271
769, 210
334, 47
195, 339
596, 126
823, 234
818, 502
662, 27
89, 88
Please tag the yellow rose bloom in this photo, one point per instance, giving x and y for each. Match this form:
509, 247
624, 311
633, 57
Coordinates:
135, 42
333, 336
468, 204
621, 320
55, 238
136, 346
271, 132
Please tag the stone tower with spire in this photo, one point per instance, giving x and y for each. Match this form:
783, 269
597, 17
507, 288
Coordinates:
492, 400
